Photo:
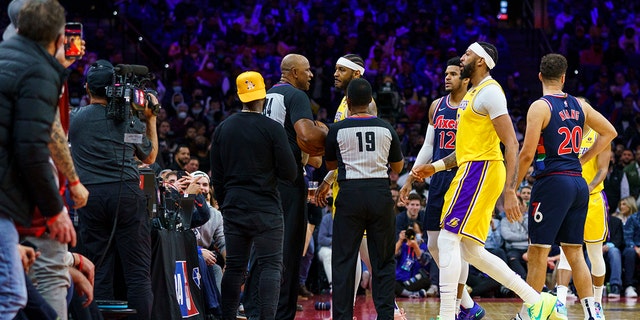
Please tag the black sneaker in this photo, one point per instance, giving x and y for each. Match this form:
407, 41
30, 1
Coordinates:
614, 291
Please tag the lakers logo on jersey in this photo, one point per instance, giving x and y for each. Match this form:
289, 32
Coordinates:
453, 223
463, 104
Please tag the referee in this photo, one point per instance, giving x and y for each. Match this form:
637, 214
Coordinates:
360, 147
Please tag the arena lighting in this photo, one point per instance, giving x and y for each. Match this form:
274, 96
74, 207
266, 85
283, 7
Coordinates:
115, 12
140, 39
502, 15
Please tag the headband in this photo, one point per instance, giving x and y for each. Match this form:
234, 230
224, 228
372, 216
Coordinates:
351, 65
479, 50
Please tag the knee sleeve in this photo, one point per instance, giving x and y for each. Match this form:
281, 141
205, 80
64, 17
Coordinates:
448, 247
598, 267
464, 272
564, 263
471, 251
432, 245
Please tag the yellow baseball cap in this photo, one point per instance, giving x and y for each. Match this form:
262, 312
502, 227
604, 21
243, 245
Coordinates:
250, 86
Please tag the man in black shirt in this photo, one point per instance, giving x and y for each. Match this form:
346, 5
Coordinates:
103, 150
360, 147
249, 154
289, 105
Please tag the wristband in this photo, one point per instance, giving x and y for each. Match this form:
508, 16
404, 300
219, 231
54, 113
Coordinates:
439, 165
53, 219
69, 259
74, 183
330, 178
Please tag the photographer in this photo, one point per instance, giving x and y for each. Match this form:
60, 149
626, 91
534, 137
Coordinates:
412, 278
114, 219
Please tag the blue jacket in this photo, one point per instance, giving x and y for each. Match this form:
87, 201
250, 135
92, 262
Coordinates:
632, 231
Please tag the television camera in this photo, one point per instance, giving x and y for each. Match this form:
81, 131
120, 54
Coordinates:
129, 92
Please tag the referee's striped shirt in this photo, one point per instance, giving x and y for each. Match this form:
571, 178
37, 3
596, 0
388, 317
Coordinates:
363, 147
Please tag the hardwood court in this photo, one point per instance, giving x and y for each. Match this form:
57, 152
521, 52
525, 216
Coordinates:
502, 309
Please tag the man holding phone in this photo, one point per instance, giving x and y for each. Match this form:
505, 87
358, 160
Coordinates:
27, 120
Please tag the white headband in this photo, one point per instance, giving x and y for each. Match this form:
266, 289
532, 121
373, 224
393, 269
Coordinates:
351, 65
479, 50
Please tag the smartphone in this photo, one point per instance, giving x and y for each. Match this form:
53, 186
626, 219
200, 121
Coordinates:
73, 40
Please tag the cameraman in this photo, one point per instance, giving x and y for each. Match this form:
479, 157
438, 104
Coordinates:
412, 277
114, 219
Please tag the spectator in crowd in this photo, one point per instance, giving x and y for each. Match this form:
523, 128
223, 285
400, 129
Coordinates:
414, 214
613, 181
26, 131
193, 165
516, 241
325, 235
612, 250
181, 158
412, 279
630, 184
628, 213
525, 194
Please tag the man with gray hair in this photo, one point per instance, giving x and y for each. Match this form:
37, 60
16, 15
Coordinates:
29, 88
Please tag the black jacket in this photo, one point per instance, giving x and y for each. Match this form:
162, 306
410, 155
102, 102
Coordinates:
616, 234
30, 82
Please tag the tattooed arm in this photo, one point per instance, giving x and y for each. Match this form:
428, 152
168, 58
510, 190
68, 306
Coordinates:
59, 148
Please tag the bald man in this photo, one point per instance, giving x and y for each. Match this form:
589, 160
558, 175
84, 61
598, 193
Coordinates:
288, 104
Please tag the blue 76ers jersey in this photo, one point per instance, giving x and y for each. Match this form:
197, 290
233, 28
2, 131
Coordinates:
445, 126
559, 146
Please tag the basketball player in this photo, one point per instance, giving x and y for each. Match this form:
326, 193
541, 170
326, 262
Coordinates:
360, 147
483, 122
560, 195
596, 226
439, 142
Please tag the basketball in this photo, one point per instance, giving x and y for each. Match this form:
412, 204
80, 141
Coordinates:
314, 148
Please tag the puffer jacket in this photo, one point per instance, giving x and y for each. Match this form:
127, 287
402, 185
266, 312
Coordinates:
30, 82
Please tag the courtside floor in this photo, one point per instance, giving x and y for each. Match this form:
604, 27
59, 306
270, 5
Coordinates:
427, 308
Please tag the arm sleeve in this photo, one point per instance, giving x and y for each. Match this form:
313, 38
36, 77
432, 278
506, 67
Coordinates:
492, 101
426, 151
34, 113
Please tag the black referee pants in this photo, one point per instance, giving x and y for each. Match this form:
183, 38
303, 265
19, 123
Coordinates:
363, 204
